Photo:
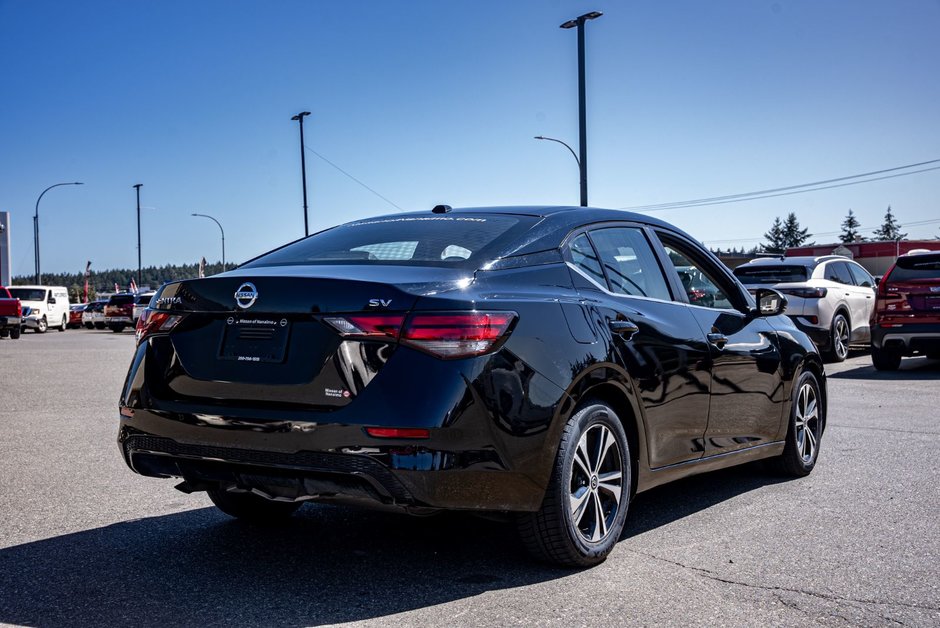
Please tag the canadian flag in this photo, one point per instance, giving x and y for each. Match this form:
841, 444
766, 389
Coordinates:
133, 286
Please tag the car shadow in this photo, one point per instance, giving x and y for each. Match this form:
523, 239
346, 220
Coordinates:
911, 369
677, 500
326, 565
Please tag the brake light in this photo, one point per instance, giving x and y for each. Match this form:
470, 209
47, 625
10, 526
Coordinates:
153, 321
398, 432
805, 293
447, 335
456, 335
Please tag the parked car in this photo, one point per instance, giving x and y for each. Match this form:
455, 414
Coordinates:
829, 297
75, 315
540, 361
906, 318
141, 301
93, 316
119, 312
48, 306
11, 315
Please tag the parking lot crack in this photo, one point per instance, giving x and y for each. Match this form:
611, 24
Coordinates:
882, 429
831, 597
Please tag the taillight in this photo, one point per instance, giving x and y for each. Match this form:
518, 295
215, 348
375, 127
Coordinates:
153, 321
805, 293
446, 335
368, 325
457, 334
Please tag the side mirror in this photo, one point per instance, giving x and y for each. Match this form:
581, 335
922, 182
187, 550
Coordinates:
52, 301
770, 302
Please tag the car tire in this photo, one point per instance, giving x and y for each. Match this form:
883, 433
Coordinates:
585, 506
42, 325
15, 333
65, 322
251, 507
117, 328
839, 333
99, 325
885, 359
805, 430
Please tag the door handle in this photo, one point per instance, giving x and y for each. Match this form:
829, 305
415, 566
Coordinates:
624, 328
718, 340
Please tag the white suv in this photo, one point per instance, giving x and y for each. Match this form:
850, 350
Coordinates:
830, 297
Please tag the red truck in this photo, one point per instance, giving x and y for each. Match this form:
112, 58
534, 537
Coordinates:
11, 315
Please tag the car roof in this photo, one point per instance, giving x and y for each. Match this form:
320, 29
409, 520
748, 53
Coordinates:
799, 260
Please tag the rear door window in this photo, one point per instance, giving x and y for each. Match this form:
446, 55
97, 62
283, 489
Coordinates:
839, 273
629, 263
585, 259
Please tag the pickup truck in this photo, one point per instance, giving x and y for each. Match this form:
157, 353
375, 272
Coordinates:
11, 315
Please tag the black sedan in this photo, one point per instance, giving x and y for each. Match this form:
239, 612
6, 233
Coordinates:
541, 361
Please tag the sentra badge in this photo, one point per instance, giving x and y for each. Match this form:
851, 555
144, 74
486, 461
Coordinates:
246, 295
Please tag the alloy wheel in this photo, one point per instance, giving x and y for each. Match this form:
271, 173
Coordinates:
596, 486
807, 423
840, 338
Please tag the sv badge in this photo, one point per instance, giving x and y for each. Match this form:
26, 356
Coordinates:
379, 302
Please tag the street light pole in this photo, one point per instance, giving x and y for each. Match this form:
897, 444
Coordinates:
303, 166
571, 150
36, 227
582, 117
223, 235
137, 187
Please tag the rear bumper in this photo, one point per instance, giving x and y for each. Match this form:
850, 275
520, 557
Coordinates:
292, 462
8, 322
908, 339
117, 320
491, 446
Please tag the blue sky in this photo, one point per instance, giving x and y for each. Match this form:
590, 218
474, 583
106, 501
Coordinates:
437, 102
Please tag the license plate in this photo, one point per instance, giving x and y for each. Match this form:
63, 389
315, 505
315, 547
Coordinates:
258, 340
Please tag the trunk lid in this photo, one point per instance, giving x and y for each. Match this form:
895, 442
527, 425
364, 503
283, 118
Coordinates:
258, 336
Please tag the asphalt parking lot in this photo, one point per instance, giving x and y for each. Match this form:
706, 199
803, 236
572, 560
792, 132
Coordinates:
83, 541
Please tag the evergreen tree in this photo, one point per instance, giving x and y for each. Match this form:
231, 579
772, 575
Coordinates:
792, 234
850, 232
775, 238
891, 229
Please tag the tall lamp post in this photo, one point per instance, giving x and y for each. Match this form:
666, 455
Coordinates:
223, 235
137, 187
573, 154
36, 226
582, 122
303, 165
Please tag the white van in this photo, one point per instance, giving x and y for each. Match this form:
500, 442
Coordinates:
43, 306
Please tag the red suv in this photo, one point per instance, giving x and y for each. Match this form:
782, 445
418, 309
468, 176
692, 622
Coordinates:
119, 312
906, 318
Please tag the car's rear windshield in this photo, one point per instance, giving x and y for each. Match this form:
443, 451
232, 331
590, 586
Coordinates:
771, 274
28, 294
913, 267
144, 299
121, 299
450, 241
